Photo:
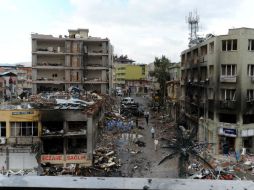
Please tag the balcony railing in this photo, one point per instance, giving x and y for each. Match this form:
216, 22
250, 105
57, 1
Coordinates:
227, 104
230, 79
252, 78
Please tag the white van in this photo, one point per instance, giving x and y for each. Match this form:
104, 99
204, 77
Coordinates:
128, 100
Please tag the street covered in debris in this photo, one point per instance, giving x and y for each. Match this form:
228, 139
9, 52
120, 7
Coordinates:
125, 145
126, 149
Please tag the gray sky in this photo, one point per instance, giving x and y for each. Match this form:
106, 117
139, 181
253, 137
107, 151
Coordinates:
141, 29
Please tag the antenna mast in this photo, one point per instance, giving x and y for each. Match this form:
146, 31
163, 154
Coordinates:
193, 21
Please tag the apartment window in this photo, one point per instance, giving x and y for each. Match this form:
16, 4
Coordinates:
2, 129
228, 70
21, 129
229, 45
211, 48
250, 94
251, 45
250, 70
228, 94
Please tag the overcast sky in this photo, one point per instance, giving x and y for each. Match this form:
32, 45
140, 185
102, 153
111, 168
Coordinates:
141, 29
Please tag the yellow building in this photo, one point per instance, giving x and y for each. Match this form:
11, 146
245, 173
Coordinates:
130, 72
19, 129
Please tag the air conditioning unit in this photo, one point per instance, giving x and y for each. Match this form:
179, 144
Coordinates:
2, 140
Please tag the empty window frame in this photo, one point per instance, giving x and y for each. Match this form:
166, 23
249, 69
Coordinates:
211, 47
228, 70
229, 45
20, 129
251, 45
250, 94
2, 129
228, 94
250, 70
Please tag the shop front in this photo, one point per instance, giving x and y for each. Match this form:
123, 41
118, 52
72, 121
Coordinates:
227, 138
247, 139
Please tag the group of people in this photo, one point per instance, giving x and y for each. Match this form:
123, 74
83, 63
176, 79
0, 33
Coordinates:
156, 141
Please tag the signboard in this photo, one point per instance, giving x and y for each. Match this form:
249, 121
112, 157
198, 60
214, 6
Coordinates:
75, 158
227, 132
22, 112
61, 159
53, 159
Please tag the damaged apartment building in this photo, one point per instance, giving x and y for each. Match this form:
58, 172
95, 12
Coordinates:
33, 133
217, 87
75, 60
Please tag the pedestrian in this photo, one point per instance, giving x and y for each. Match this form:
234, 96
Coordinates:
152, 132
146, 117
226, 149
156, 142
137, 122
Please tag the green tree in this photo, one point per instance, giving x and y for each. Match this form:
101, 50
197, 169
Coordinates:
161, 73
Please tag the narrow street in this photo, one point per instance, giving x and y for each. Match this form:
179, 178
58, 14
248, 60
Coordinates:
142, 161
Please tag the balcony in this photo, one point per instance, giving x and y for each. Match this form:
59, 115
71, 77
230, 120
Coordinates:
202, 59
227, 104
48, 81
228, 79
94, 81
48, 65
97, 53
26, 140
249, 103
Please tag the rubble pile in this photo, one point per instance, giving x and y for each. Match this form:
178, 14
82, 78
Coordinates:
67, 100
105, 159
224, 168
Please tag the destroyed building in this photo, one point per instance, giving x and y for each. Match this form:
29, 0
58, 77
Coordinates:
53, 131
217, 91
75, 60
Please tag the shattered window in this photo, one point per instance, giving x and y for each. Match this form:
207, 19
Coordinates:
250, 94
19, 129
228, 94
2, 129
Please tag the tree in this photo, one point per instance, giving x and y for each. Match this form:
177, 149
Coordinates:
185, 147
161, 72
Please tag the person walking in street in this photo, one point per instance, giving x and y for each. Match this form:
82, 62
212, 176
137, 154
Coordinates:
136, 122
146, 117
156, 142
152, 132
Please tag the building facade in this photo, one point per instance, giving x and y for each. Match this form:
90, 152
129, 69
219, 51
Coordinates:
131, 76
29, 136
217, 89
21, 80
173, 92
75, 60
